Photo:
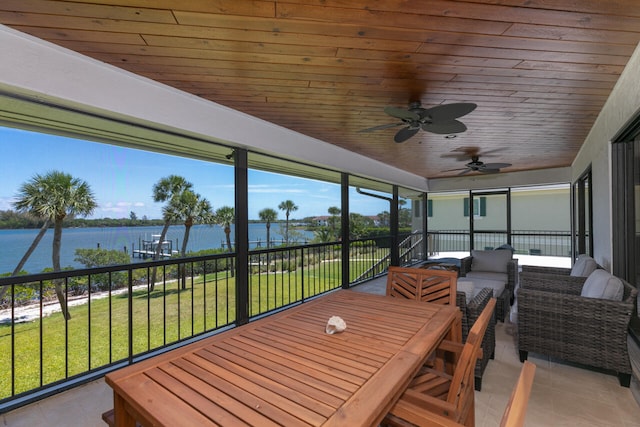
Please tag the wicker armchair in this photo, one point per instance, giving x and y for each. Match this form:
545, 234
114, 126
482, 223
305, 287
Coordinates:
470, 312
583, 266
553, 319
559, 271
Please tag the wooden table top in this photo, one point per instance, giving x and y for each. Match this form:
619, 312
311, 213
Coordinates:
284, 370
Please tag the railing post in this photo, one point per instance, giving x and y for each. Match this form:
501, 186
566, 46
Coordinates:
345, 238
394, 218
302, 272
130, 313
241, 236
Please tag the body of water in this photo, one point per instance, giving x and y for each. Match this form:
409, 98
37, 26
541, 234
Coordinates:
14, 243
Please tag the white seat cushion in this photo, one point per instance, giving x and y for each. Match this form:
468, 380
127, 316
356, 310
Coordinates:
601, 284
488, 275
584, 266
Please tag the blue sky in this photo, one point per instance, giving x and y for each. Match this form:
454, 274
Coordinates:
122, 179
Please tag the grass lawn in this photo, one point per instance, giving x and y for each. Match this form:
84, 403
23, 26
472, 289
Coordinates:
98, 332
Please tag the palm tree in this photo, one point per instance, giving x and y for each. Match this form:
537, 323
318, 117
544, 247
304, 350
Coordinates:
167, 189
268, 215
54, 196
385, 218
322, 235
225, 216
287, 206
191, 208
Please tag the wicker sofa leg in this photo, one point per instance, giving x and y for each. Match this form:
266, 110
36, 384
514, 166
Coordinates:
624, 379
477, 383
523, 355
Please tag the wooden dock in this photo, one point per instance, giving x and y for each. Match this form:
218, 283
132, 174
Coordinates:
149, 254
148, 248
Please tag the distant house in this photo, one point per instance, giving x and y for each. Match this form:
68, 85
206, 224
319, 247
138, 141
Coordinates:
321, 221
375, 219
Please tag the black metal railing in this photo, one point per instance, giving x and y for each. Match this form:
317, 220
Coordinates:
547, 243
530, 242
284, 276
119, 314
411, 248
448, 241
116, 315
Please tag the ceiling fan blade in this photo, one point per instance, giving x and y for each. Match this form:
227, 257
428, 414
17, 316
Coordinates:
444, 128
401, 113
489, 170
496, 165
467, 170
490, 153
380, 127
448, 112
406, 133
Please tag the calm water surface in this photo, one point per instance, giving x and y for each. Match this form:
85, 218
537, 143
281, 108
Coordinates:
14, 243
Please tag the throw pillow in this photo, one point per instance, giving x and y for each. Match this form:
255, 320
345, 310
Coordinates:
601, 284
584, 266
495, 261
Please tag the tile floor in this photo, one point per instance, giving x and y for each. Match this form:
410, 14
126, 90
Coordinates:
562, 395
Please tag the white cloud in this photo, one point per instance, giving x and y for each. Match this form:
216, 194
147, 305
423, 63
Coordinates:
120, 207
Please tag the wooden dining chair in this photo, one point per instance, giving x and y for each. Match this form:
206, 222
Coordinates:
517, 406
437, 286
513, 416
434, 390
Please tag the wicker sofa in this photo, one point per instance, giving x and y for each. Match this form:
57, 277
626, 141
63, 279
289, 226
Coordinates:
554, 319
470, 312
493, 266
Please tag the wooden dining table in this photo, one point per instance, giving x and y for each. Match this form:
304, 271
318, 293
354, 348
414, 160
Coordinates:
285, 370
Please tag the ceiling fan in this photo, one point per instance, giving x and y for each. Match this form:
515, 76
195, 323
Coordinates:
440, 119
475, 165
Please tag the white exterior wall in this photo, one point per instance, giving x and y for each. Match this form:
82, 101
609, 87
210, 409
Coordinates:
541, 210
544, 210
621, 106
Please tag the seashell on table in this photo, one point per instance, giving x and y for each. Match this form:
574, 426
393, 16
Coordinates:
335, 324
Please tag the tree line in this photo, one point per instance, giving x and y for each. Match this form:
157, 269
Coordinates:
52, 198
12, 219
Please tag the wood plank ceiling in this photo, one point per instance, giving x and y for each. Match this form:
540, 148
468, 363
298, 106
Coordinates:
539, 70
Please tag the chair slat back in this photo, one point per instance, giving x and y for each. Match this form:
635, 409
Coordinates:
462, 386
517, 406
437, 286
